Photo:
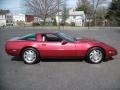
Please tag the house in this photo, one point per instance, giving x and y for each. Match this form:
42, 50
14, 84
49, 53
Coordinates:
22, 19
19, 19
2, 20
6, 19
37, 20
29, 18
77, 17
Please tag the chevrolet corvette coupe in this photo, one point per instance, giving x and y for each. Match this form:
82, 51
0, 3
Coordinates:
33, 47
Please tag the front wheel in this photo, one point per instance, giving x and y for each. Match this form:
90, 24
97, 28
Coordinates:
95, 55
30, 55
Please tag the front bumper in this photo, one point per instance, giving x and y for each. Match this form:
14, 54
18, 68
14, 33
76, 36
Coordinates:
111, 53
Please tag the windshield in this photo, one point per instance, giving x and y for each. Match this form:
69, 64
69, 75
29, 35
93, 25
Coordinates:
67, 37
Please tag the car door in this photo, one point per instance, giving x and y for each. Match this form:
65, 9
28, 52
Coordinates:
53, 47
49, 49
67, 49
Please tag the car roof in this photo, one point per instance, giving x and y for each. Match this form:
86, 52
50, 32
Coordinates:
48, 32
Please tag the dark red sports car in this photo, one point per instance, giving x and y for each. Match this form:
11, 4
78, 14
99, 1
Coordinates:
32, 47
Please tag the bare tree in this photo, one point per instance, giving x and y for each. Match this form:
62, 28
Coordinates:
90, 7
43, 8
84, 5
65, 13
95, 4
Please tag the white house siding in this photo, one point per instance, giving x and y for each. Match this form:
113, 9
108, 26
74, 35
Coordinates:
58, 19
18, 18
2, 20
78, 17
9, 20
37, 20
6, 20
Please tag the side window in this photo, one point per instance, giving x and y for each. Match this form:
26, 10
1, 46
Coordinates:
29, 37
51, 38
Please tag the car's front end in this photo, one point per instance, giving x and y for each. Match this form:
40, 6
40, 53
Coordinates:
110, 51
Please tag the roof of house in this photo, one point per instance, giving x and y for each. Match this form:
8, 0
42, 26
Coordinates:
72, 12
4, 12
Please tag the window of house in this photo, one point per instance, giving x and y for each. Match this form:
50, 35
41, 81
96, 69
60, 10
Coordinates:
74, 17
7, 21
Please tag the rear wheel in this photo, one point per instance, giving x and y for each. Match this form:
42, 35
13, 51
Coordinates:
95, 55
30, 56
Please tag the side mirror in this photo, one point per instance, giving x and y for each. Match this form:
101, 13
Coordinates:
64, 42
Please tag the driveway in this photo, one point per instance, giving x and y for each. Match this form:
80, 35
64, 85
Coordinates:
60, 74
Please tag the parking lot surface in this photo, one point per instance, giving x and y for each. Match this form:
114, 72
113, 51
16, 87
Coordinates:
60, 74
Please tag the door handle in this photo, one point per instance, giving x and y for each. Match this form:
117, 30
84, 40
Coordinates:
43, 44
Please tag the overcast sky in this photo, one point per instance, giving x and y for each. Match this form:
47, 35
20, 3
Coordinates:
17, 6
72, 3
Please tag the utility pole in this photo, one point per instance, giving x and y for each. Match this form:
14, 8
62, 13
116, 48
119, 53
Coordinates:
58, 15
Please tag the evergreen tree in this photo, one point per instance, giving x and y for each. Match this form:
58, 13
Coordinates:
84, 5
114, 11
65, 13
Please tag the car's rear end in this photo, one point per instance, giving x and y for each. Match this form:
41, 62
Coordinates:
15, 45
12, 47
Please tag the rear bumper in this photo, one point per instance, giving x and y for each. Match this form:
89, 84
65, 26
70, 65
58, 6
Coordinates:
10, 51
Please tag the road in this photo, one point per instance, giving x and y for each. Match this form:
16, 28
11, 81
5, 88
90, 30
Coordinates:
60, 74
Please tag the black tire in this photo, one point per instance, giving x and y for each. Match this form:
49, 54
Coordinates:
34, 56
91, 58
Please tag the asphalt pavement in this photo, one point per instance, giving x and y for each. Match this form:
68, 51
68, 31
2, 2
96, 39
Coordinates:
60, 74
